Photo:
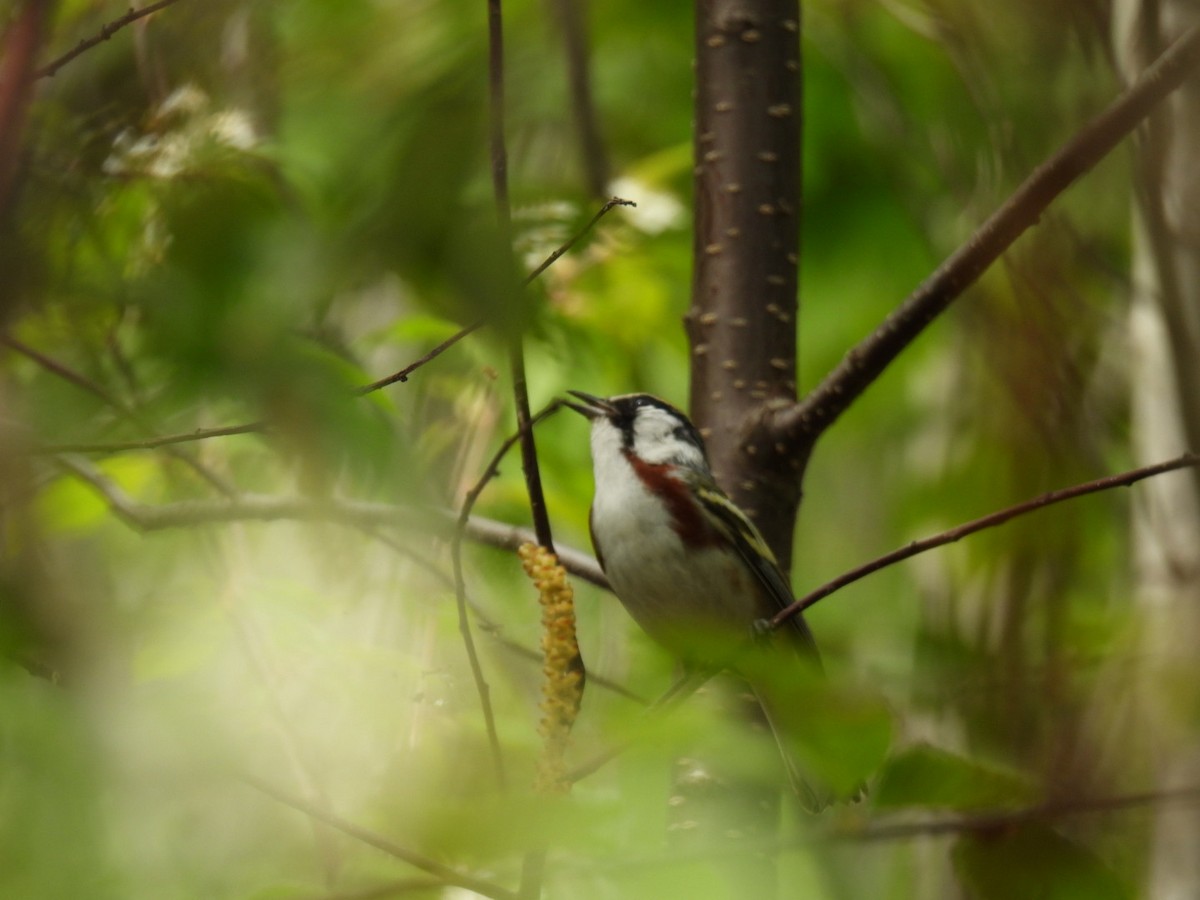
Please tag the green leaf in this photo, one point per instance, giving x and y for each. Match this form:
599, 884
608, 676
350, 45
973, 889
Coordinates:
927, 776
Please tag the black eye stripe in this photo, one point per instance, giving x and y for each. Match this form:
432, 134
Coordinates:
627, 408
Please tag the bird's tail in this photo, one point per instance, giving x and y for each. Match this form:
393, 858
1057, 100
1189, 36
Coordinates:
830, 737
814, 795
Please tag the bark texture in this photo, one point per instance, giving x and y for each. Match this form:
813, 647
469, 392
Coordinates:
742, 322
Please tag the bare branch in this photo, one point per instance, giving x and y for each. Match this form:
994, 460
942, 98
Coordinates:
570, 242
464, 629
529, 462
1123, 479
66, 373
104, 34
798, 425
403, 374
200, 434
124, 410
379, 842
357, 513
492, 469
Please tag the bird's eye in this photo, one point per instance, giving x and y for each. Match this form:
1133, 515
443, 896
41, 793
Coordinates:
682, 434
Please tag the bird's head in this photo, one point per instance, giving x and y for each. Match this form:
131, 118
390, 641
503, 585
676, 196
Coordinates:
642, 425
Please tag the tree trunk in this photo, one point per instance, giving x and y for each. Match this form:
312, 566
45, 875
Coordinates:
742, 322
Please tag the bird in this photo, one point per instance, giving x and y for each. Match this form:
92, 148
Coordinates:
688, 565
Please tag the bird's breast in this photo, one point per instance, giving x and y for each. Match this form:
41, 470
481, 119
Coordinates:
674, 576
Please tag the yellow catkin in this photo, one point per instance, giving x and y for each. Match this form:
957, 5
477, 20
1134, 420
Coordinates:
562, 685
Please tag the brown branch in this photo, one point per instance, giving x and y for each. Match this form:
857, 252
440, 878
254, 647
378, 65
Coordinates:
366, 517
403, 374
570, 242
529, 458
499, 169
66, 373
460, 587
799, 425
200, 434
481, 686
124, 410
104, 34
532, 868
533, 865
1123, 479
204, 433
489, 626
446, 873
492, 469
510, 537
258, 508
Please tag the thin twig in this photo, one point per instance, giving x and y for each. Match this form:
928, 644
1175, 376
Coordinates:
1123, 479
66, 373
800, 424
124, 410
366, 517
534, 861
203, 433
200, 434
403, 374
446, 873
499, 170
460, 586
104, 34
529, 458
492, 469
259, 508
481, 685
563, 248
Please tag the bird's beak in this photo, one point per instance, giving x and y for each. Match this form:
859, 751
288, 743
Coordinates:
593, 407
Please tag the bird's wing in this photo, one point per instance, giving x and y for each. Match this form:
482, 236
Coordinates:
723, 514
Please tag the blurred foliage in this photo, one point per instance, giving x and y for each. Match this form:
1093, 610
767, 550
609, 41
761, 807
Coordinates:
239, 212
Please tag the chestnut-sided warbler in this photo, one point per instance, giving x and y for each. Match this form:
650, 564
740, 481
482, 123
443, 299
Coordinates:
687, 564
